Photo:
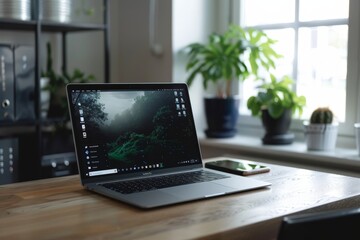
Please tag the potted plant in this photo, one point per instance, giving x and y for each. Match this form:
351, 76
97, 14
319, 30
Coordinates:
275, 103
59, 135
56, 86
321, 131
228, 57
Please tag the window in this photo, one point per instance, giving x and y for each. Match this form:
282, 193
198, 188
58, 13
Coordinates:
314, 37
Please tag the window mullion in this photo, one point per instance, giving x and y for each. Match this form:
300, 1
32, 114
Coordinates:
296, 43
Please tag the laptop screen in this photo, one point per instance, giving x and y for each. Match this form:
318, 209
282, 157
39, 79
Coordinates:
121, 128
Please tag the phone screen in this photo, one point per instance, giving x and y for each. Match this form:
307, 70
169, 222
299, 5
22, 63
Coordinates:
237, 167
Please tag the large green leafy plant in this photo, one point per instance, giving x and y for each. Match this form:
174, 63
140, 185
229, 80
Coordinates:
234, 55
276, 96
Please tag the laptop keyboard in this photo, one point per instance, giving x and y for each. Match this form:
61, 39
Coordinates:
153, 183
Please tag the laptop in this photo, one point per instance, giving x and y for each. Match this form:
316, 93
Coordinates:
137, 143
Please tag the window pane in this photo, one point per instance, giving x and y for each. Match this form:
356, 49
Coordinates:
320, 63
285, 46
259, 12
323, 9
322, 68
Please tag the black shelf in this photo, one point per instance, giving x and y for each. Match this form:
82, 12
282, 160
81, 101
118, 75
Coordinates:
13, 24
22, 123
38, 142
52, 121
47, 26
63, 27
25, 123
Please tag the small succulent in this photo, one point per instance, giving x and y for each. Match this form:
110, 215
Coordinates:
322, 115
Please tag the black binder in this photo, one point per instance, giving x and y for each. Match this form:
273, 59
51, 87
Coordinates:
7, 106
24, 69
9, 160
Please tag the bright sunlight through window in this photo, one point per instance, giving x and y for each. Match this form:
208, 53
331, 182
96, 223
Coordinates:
312, 36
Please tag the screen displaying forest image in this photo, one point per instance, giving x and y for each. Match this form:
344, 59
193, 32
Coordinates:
138, 128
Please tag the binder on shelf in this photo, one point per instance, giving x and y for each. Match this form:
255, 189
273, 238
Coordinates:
7, 106
59, 164
9, 160
58, 157
24, 69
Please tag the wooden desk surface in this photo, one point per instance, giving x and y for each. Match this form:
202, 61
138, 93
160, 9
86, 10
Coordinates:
60, 208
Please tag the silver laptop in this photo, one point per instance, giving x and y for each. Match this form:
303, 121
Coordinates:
137, 143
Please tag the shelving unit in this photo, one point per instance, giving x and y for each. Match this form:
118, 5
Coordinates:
38, 27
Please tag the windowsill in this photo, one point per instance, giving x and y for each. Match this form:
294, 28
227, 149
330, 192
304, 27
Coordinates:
341, 160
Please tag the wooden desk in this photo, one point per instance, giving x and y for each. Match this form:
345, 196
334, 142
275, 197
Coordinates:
61, 209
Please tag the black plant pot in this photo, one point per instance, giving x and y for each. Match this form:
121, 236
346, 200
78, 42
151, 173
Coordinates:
221, 115
276, 130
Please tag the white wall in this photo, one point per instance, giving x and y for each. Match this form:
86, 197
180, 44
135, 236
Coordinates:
193, 21
179, 23
131, 56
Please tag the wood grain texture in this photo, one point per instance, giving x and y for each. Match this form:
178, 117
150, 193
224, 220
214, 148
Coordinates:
60, 208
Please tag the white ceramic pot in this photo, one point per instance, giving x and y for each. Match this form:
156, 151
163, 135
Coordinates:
321, 137
357, 136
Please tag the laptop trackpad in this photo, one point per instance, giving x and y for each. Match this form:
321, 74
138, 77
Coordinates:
198, 190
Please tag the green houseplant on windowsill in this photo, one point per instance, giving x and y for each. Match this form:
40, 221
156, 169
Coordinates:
235, 55
275, 103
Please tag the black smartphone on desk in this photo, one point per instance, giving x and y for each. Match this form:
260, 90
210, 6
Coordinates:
240, 167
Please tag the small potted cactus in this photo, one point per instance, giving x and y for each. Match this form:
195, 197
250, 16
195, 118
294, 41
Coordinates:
321, 131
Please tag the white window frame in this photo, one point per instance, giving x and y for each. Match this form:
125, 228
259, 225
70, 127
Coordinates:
346, 130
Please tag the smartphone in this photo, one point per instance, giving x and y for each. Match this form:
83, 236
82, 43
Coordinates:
241, 167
